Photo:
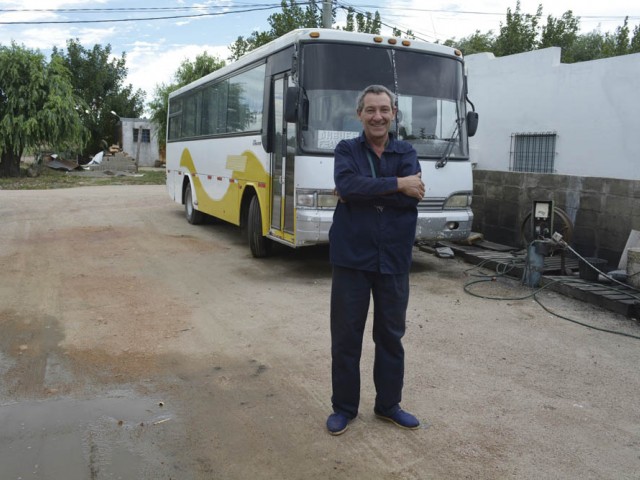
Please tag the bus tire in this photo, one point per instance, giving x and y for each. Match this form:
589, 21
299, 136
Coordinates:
259, 244
194, 217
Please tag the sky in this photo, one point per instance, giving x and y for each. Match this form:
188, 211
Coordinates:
158, 36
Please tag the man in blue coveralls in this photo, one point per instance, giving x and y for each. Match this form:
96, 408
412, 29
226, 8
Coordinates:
378, 181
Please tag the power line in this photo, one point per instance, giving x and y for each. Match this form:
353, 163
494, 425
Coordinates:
129, 9
501, 14
112, 20
423, 36
416, 34
240, 7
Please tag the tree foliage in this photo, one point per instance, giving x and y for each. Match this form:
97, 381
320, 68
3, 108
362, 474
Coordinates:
38, 106
292, 16
203, 65
187, 72
366, 22
99, 79
561, 32
519, 33
617, 43
524, 32
475, 43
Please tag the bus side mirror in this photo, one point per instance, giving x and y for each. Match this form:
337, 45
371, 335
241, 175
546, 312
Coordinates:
291, 104
472, 123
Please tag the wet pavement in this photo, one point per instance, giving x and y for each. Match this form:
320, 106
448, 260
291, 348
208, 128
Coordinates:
68, 438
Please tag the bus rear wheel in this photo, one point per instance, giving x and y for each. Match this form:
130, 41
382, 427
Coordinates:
259, 244
194, 217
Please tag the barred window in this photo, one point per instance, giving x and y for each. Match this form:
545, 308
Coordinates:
533, 152
146, 135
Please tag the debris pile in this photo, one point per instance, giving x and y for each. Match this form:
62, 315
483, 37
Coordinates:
115, 161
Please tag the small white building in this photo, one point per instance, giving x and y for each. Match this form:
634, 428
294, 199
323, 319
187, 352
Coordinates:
138, 137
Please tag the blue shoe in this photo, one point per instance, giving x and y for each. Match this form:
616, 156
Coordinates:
401, 418
337, 424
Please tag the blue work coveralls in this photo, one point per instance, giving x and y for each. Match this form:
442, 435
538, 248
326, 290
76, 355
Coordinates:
371, 242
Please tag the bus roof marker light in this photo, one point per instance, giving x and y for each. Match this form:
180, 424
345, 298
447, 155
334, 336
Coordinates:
392, 41
377, 39
457, 52
314, 34
406, 43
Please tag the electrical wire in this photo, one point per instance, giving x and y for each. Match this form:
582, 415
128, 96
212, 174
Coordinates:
534, 295
138, 19
418, 35
564, 244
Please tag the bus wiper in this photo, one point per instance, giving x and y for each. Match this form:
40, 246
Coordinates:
449, 149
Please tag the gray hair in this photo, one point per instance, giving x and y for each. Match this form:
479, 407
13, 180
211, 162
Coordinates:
376, 89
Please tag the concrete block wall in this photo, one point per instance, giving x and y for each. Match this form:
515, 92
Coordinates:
120, 162
603, 210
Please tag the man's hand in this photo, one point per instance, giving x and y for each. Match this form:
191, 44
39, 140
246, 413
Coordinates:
412, 186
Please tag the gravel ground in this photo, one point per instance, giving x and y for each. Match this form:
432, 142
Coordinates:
134, 345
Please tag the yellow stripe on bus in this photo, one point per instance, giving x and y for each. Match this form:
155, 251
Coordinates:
247, 170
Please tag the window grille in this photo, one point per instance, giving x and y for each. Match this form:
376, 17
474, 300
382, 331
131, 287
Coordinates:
533, 152
146, 135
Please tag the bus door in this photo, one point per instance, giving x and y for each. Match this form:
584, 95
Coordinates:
282, 165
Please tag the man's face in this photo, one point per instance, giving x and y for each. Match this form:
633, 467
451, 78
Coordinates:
377, 115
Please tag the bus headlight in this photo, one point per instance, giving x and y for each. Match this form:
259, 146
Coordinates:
458, 201
326, 199
307, 198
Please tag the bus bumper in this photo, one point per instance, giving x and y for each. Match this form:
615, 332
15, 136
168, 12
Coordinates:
445, 225
312, 226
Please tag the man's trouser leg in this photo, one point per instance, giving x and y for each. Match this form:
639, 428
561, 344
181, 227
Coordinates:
390, 300
350, 296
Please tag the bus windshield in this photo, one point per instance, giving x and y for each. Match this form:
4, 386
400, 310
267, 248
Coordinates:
429, 89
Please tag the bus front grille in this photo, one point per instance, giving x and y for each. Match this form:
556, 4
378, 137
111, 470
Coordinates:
431, 204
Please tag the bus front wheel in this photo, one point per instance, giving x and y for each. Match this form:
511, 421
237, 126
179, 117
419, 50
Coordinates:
259, 244
194, 217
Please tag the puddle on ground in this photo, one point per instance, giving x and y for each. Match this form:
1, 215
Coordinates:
111, 437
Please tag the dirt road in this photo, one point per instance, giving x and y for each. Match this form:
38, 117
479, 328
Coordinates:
134, 345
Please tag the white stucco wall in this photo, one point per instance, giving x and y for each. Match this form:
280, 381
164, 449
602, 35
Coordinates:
594, 107
149, 152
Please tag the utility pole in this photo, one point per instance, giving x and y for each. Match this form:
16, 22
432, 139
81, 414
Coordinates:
326, 13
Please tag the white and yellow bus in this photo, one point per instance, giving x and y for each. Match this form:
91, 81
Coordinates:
252, 143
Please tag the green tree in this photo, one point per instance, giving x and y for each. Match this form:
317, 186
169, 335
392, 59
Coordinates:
366, 23
562, 33
203, 64
474, 43
244, 45
98, 78
586, 47
519, 33
38, 107
617, 43
187, 72
292, 16
399, 33
634, 45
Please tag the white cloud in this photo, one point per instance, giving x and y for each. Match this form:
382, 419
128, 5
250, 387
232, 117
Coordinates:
151, 64
45, 37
